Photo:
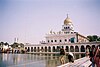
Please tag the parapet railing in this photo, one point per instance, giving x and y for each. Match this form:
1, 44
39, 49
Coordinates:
82, 62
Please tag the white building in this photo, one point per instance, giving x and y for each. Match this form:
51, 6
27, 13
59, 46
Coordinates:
66, 35
67, 38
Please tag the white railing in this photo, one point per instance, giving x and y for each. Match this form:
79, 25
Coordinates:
82, 62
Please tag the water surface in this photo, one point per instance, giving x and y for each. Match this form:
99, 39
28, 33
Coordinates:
32, 60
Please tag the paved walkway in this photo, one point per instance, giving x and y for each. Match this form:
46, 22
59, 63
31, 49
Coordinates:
82, 62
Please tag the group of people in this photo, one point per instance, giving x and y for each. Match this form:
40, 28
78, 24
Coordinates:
63, 56
94, 55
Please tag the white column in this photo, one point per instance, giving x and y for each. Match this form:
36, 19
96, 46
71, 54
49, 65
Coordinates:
69, 48
79, 48
51, 48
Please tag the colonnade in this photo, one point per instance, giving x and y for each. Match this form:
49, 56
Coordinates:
55, 48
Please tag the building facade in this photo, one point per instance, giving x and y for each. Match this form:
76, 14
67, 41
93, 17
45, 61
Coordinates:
69, 39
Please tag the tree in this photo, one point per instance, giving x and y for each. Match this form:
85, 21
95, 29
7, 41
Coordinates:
93, 38
6, 44
14, 45
2, 43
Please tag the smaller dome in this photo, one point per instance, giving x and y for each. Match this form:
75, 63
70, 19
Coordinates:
67, 20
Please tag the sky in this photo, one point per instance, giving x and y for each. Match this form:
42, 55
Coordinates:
31, 20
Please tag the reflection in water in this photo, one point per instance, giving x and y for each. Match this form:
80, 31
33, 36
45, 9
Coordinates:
32, 60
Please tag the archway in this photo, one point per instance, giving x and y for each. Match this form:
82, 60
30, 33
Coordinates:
82, 49
25, 48
34, 49
71, 49
28, 49
76, 49
38, 49
67, 49
45, 49
49, 49
53, 48
31, 49
88, 47
57, 50
42, 49
93, 46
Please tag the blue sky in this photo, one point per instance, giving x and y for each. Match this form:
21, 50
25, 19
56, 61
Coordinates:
30, 20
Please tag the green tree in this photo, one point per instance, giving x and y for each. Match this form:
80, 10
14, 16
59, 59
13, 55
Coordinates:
14, 45
2, 43
6, 44
93, 38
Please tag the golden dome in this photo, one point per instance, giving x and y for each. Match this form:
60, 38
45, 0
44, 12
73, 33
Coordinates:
67, 20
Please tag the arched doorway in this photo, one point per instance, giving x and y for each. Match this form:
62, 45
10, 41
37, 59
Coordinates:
58, 49
42, 49
38, 49
53, 48
49, 49
31, 49
34, 49
67, 49
76, 49
82, 49
28, 49
45, 49
88, 47
71, 49
93, 46
25, 48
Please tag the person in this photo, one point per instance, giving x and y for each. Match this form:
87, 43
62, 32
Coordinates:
97, 56
91, 56
71, 57
62, 55
87, 51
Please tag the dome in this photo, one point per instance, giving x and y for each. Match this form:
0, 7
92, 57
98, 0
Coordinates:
67, 20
